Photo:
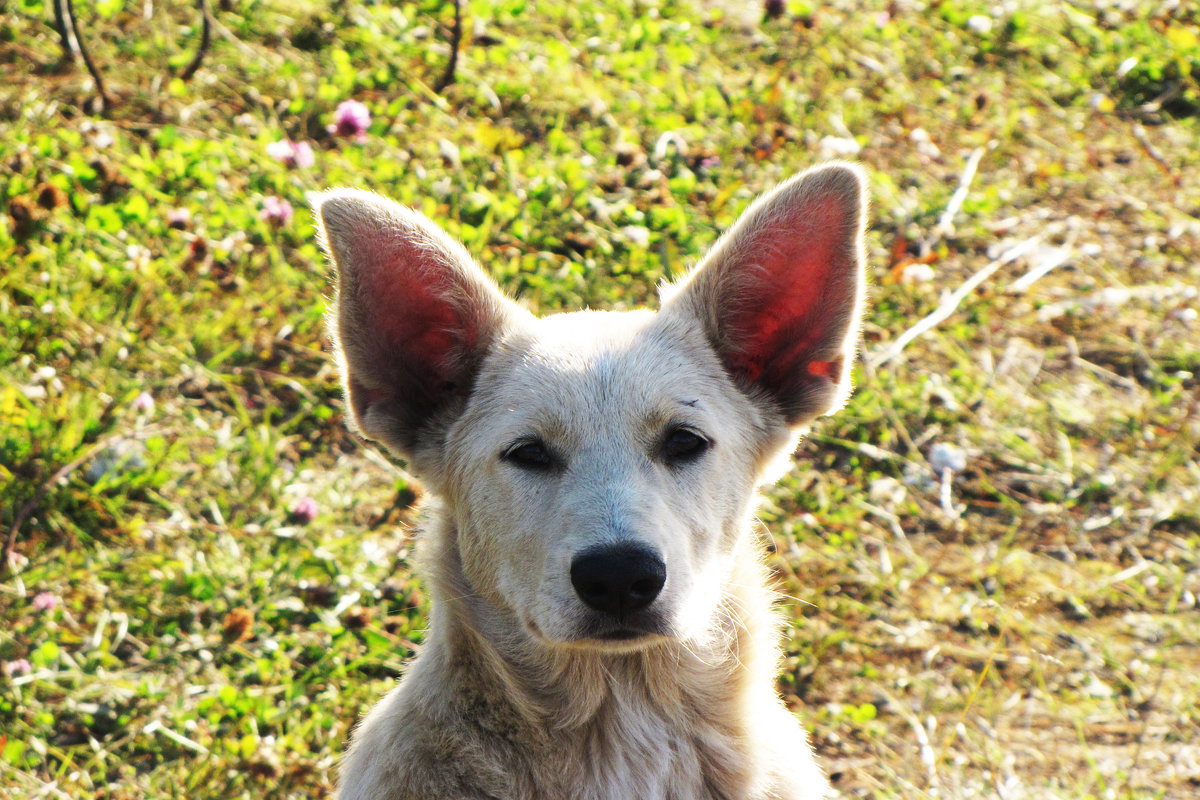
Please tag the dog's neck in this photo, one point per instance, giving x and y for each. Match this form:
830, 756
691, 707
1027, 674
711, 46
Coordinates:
559, 689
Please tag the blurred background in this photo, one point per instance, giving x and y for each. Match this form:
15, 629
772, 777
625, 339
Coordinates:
988, 562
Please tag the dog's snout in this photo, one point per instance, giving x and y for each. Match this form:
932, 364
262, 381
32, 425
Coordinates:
618, 580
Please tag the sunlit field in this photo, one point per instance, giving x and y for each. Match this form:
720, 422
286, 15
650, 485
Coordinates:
988, 562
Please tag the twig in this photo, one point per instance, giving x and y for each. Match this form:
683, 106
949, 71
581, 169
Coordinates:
205, 42
950, 304
1128, 572
1155, 105
862, 448
1051, 260
43, 789
1056, 258
1148, 704
1076, 360
156, 726
455, 40
29, 507
65, 32
946, 495
246, 49
893, 522
105, 101
379, 460
1139, 133
946, 221
928, 758
924, 747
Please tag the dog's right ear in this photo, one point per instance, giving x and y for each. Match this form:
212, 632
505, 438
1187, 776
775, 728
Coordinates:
411, 319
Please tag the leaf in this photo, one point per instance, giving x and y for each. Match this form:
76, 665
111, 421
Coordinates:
1183, 38
14, 752
46, 654
109, 8
136, 209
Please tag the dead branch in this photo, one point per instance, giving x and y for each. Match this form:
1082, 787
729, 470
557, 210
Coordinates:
950, 304
1139, 133
205, 42
945, 223
28, 509
62, 24
455, 40
71, 20
1050, 260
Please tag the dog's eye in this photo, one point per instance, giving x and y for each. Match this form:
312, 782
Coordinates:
529, 454
683, 445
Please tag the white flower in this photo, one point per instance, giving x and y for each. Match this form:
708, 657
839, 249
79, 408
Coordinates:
917, 273
839, 146
980, 24
944, 456
637, 235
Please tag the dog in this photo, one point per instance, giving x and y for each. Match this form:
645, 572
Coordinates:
601, 624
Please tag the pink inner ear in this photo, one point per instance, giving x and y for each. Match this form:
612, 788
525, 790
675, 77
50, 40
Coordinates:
823, 369
791, 304
416, 324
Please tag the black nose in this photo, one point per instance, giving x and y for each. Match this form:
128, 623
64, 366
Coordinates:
618, 580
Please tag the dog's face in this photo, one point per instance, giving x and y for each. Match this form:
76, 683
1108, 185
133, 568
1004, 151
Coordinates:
615, 437
598, 467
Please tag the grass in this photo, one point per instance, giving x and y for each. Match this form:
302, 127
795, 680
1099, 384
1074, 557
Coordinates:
191, 631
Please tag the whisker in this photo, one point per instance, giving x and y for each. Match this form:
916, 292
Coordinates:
736, 640
694, 654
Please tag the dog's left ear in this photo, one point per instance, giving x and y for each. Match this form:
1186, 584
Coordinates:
781, 293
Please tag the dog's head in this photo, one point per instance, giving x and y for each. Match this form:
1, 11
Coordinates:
598, 468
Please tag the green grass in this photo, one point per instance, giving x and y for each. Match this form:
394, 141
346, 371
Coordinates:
1040, 629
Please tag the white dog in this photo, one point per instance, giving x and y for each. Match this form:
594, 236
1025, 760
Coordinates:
601, 626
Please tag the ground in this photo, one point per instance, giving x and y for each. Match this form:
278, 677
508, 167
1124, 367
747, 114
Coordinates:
989, 561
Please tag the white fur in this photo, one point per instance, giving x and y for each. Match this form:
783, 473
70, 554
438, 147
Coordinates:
511, 697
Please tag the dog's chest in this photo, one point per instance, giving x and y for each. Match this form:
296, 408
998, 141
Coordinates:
630, 751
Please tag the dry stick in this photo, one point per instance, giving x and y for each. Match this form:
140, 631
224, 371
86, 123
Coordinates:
1155, 105
1141, 739
156, 726
105, 101
925, 749
928, 757
44, 789
28, 508
945, 495
946, 221
205, 42
238, 43
1053, 260
1139, 133
1076, 360
950, 304
455, 39
65, 32
893, 522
